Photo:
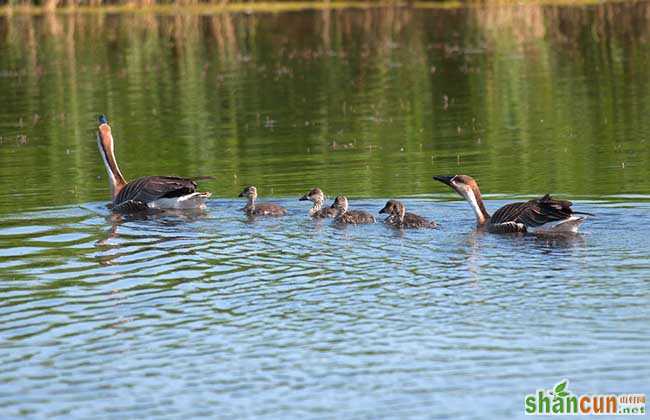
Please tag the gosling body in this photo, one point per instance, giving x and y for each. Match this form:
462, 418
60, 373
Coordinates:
398, 217
350, 217
260, 209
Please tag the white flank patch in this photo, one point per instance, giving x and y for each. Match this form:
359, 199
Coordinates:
190, 201
570, 225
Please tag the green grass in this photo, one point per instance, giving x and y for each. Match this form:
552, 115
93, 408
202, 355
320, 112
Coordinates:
273, 7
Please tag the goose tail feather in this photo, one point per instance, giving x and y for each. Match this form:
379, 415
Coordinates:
584, 213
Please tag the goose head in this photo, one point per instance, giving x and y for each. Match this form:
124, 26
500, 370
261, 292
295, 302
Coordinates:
106, 149
467, 187
462, 184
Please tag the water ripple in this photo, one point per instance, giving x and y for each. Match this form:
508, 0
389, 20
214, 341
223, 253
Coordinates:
102, 309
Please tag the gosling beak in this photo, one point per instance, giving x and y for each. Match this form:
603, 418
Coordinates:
241, 194
444, 179
304, 198
383, 210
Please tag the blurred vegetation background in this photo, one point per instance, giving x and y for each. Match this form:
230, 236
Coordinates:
527, 98
52, 4
271, 4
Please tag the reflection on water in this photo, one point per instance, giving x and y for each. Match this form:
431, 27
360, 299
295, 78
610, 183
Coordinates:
370, 102
197, 314
105, 314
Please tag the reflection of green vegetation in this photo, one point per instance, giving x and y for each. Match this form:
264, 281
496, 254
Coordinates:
373, 101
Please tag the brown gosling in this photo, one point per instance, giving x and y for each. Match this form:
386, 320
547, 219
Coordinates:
264, 209
317, 211
400, 218
351, 217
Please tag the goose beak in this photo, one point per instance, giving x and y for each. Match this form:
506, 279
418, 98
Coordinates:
304, 198
444, 179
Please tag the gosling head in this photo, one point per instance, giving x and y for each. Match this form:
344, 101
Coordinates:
340, 204
394, 208
249, 192
315, 195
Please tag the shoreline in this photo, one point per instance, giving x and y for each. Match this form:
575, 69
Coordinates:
281, 7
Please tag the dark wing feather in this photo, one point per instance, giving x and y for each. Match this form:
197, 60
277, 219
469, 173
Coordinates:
533, 213
507, 227
151, 188
130, 206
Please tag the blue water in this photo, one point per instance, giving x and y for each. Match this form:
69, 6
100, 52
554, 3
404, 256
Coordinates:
218, 315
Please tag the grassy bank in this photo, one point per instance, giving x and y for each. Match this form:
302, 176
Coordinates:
194, 7
217, 6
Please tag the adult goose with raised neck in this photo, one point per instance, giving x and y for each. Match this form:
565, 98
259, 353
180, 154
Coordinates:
148, 192
544, 215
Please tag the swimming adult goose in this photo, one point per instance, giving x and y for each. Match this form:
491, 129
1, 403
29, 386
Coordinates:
400, 218
149, 192
544, 215
317, 211
351, 217
264, 209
